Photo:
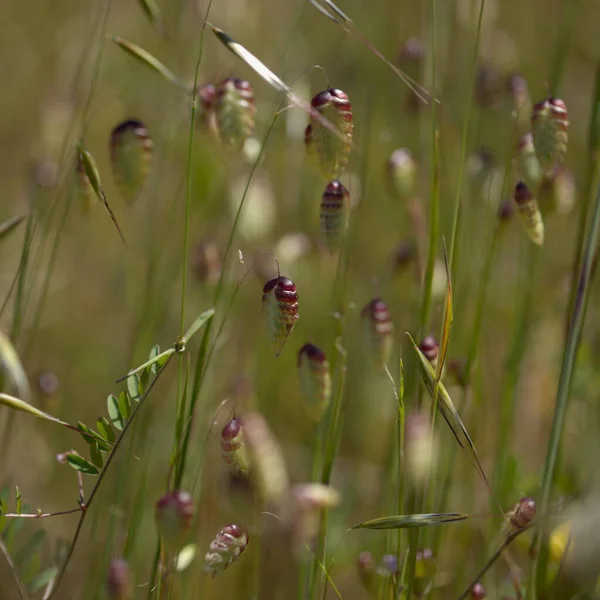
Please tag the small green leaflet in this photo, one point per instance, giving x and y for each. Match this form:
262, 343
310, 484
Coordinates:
80, 464
114, 412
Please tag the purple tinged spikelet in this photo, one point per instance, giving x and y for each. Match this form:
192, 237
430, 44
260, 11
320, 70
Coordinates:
280, 307
130, 157
328, 152
379, 331
529, 165
225, 548
235, 112
233, 447
118, 582
550, 125
529, 213
522, 515
334, 214
174, 514
430, 349
315, 379
478, 592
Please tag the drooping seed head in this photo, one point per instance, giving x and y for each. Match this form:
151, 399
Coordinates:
174, 514
558, 191
478, 592
430, 349
521, 100
233, 447
330, 153
529, 213
235, 112
419, 451
118, 582
306, 503
550, 125
523, 514
378, 331
280, 309
334, 214
480, 164
226, 548
529, 165
130, 156
207, 262
315, 379
269, 472
402, 173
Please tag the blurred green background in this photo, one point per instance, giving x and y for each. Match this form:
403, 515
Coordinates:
93, 308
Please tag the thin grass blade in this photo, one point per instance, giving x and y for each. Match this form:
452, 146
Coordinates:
448, 319
21, 405
199, 323
150, 61
411, 521
273, 80
91, 170
161, 359
10, 224
10, 359
153, 13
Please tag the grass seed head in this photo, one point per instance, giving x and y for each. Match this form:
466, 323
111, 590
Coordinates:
130, 156
235, 112
529, 213
328, 152
334, 214
268, 472
315, 379
478, 592
233, 447
378, 330
226, 548
550, 125
529, 165
402, 173
280, 308
307, 501
206, 95
118, 581
430, 349
522, 515
174, 514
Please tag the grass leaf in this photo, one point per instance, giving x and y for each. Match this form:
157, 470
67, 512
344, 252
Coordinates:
10, 224
161, 359
80, 464
91, 170
448, 318
199, 323
153, 13
12, 363
21, 405
410, 521
150, 61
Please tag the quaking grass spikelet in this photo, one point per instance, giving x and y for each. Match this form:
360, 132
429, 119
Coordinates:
522, 515
378, 331
235, 112
233, 448
327, 151
550, 124
478, 592
174, 514
226, 548
334, 214
529, 213
130, 156
315, 379
529, 165
118, 582
280, 308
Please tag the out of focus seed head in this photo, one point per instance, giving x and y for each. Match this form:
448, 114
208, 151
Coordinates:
174, 514
118, 581
402, 172
477, 592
